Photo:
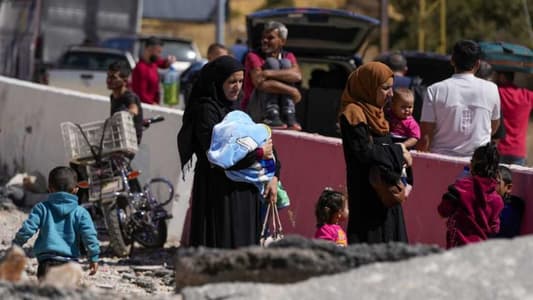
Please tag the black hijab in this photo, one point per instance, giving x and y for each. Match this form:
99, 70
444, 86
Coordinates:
208, 88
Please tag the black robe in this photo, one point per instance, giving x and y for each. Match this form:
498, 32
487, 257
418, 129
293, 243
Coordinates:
224, 213
370, 221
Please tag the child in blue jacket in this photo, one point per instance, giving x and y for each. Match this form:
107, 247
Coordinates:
62, 223
513, 207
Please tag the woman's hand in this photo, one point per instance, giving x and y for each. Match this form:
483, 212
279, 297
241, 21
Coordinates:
267, 149
408, 158
406, 155
271, 190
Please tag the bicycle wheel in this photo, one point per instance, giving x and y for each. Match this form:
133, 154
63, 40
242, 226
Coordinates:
159, 191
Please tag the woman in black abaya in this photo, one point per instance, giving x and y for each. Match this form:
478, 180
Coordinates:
366, 142
224, 213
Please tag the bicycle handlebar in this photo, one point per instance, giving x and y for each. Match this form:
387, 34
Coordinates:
156, 119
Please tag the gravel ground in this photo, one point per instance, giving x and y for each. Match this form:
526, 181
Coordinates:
147, 272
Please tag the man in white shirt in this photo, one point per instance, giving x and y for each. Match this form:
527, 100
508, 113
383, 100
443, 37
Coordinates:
460, 113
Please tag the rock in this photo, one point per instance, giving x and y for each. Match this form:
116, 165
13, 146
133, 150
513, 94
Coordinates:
129, 276
33, 291
290, 260
163, 272
13, 264
7, 204
168, 280
146, 268
496, 269
68, 275
106, 286
145, 283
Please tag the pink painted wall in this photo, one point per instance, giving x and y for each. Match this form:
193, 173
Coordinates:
312, 162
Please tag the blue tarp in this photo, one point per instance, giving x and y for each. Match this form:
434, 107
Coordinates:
508, 57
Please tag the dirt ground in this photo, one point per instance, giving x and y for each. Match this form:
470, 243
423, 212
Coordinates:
147, 272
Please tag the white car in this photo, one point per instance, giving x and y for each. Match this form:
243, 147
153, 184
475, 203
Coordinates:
84, 69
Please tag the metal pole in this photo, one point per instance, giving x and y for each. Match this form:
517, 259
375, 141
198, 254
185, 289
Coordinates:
528, 19
443, 26
221, 13
421, 18
384, 26
136, 11
91, 21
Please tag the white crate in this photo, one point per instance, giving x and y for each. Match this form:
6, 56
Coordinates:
102, 182
119, 136
105, 189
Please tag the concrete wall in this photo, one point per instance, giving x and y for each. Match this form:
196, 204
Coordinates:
30, 140
311, 162
30, 137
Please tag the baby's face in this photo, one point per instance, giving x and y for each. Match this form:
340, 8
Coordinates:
402, 108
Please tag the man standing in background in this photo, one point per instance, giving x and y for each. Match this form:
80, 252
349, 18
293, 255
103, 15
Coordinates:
191, 74
462, 112
398, 64
145, 78
517, 104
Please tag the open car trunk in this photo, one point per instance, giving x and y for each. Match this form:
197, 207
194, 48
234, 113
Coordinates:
314, 31
326, 43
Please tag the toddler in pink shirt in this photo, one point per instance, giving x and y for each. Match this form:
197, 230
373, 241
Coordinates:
331, 209
403, 127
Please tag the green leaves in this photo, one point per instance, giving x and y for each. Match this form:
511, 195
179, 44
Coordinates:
473, 19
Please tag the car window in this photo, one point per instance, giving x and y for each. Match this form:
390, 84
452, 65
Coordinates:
322, 75
90, 60
124, 44
182, 51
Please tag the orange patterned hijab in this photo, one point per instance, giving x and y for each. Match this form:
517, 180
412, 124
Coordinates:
358, 101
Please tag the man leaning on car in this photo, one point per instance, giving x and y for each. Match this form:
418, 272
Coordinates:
145, 79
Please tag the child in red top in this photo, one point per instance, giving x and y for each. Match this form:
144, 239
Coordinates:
331, 209
472, 204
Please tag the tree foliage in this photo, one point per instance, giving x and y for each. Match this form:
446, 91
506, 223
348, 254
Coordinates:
278, 3
480, 20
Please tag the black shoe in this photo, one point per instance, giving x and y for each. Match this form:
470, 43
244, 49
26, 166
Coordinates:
272, 118
290, 118
277, 124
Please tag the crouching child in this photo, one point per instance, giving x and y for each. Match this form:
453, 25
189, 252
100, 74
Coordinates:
62, 224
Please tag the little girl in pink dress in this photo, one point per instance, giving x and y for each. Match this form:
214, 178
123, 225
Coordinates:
331, 209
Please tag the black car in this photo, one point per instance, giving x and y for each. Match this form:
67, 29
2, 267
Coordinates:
430, 67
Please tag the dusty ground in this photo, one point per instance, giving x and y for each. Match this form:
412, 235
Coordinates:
147, 272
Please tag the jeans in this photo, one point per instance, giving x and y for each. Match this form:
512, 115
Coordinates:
45, 265
277, 105
511, 159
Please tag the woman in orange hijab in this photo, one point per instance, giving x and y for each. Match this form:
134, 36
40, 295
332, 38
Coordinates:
366, 142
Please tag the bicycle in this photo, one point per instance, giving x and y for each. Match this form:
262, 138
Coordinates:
131, 213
